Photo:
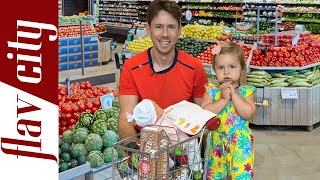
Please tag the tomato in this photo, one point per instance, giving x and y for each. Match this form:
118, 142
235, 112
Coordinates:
95, 93
63, 124
62, 129
67, 116
82, 86
269, 55
82, 107
94, 109
76, 115
96, 103
89, 105
75, 108
72, 122
67, 109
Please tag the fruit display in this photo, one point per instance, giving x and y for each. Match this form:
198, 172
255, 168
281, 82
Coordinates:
312, 27
74, 31
228, 8
203, 32
83, 98
100, 27
197, 6
288, 56
303, 17
289, 78
288, 26
302, 9
285, 37
69, 19
206, 56
90, 140
140, 44
192, 46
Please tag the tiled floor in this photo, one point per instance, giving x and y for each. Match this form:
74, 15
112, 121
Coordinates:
292, 154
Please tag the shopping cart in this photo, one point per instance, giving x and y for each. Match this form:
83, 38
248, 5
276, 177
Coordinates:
175, 160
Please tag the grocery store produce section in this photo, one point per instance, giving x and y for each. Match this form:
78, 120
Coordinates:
282, 51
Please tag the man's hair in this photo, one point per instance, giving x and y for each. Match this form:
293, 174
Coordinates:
169, 6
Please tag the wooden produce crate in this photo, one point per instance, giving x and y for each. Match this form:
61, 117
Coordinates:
303, 111
77, 173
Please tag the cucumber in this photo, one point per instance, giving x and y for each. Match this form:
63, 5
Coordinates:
302, 84
278, 75
282, 84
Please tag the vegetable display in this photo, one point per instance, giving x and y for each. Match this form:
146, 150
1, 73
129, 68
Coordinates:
289, 78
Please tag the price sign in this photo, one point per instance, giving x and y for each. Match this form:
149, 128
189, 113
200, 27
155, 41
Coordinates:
289, 93
188, 15
128, 54
295, 39
94, 38
106, 101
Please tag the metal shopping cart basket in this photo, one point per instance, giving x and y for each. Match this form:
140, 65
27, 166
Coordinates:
177, 160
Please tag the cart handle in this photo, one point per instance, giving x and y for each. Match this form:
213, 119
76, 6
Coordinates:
213, 123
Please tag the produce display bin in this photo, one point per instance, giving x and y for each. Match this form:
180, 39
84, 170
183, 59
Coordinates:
303, 111
70, 52
102, 173
77, 173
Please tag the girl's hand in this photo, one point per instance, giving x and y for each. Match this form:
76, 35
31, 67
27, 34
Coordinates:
225, 91
232, 90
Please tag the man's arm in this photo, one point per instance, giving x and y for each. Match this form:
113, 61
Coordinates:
127, 103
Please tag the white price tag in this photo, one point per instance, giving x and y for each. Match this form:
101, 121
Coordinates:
295, 39
188, 15
128, 54
106, 101
289, 93
94, 38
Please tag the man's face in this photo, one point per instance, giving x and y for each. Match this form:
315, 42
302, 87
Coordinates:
164, 31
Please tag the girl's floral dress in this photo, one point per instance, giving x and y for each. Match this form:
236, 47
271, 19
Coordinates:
231, 145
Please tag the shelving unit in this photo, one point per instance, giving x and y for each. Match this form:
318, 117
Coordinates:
73, 49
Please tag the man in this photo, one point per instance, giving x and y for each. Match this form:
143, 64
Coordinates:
161, 73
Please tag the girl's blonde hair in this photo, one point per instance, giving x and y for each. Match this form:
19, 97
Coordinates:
234, 49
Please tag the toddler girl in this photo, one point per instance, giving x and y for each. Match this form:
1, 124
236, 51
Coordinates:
231, 145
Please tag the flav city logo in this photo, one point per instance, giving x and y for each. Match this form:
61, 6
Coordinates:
29, 129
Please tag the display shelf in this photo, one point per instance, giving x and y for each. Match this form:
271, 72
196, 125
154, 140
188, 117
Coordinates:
261, 9
75, 172
288, 12
302, 21
284, 68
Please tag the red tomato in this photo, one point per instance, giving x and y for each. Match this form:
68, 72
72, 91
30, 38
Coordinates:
75, 116
89, 105
82, 107
72, 122
75, 108
67, 116
96, 103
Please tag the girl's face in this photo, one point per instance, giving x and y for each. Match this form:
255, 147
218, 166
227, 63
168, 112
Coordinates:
228, 69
